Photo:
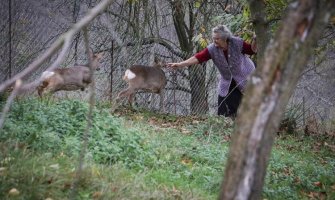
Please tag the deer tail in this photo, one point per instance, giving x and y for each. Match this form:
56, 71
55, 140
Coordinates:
47, 74
128, 75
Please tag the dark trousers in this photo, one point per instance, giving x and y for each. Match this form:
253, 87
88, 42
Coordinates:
229, 104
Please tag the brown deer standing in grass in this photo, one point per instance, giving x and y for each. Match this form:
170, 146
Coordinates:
147, 78
69, 79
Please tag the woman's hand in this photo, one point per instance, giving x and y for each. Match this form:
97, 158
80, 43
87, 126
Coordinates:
191, 61
254, 44
174, 65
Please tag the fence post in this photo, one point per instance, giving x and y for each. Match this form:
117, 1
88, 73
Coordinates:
303, 112
111, 72
10, 39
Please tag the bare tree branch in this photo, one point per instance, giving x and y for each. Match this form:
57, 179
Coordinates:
9, 102
89, 118
63, 40
146, 41
162, 42
267, 97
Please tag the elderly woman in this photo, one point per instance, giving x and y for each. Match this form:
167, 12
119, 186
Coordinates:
228, 55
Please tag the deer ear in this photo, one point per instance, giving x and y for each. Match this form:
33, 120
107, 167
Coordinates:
90, 53
99, 55
157, 61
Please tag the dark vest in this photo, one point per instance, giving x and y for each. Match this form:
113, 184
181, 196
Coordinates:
238, 67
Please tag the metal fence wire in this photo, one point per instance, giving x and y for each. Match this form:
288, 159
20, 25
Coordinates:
27, 28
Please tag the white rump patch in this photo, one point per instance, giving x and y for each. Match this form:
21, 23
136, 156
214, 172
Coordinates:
47, 74
256, 80
129, 74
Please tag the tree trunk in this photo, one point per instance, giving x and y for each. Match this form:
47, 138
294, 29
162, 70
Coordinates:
258, 17
10, 40
199, 104
267, 95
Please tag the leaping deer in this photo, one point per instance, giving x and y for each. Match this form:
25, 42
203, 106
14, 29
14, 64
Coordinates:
148, 78
69, 79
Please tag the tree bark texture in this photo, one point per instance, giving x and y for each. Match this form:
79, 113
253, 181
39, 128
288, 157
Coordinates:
258, 17
185, 33
268, 93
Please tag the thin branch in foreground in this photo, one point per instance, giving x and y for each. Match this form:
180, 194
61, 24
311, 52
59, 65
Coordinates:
89, 119
64, 42
9, 101
66, 37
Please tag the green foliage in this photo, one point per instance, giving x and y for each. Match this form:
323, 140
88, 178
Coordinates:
201, 40
274, 11
197, 4
58, 127
3, 97
234, 22
292, 116
141, 156
295, 172
35, 177
239, 24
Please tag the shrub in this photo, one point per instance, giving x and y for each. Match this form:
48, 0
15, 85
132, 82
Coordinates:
58, 127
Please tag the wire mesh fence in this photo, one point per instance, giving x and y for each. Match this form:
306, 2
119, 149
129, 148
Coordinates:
28, 28
26, 33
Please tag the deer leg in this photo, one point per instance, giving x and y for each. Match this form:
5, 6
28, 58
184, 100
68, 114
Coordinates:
81, 85
131, 99
51, 88
49, 91
122, 94
40, 91
150, 98
41, 88
126, 93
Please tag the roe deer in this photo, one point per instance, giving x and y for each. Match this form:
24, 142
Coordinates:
148, 78
71, 78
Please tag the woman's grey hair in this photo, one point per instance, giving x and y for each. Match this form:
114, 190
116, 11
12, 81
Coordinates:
223, 31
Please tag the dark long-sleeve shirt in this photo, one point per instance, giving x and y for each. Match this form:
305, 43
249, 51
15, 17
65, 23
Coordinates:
204, 55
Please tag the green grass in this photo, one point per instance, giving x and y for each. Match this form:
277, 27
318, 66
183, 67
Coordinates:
142, 155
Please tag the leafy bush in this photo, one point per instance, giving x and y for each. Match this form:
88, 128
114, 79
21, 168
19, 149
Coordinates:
143, 155
58, 127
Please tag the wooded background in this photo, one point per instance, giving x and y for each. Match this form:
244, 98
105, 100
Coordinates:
294, 78
134, 32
